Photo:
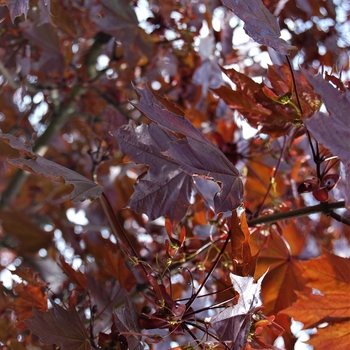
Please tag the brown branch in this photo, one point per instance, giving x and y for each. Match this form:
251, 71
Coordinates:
339, 218
325, 208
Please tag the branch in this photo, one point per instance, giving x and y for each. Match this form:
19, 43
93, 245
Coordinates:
339, 218
325, 208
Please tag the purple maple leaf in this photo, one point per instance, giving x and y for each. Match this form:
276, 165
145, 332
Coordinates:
61, 327
175, 152
83, 188
19, 7
259, 23
165, 189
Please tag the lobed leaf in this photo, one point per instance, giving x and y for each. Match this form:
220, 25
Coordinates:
259, 23
127, 320
175, 151
115, 265
195, 154
328, 273
330, 276
17, 8
284, 270
83, 188
28, 297
61, 327
164, 189
77, 277
314, 309
334, 336
263, 105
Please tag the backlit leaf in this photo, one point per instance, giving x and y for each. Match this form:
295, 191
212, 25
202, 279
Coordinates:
285, 270
329, 275
29, 275
28, 297
334, 336
314, 309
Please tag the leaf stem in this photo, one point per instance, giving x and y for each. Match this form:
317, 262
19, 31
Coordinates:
294, 84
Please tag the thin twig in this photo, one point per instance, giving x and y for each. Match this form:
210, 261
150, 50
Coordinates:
193, 336
194, 296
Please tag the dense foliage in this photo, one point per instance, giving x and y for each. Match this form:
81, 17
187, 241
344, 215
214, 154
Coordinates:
169, 182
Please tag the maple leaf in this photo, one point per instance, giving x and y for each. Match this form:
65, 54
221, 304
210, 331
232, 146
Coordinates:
17, 8
29, 275
30, 237
334, 336
333, 130
272, 111
259, 23
175, 150
83, 187
164, 189
115, 265
28, 296
118, 19
45, 37
233, 323
127, 320
330, 275
74, 276
284, 270
61, 327
249, 100
244, 262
